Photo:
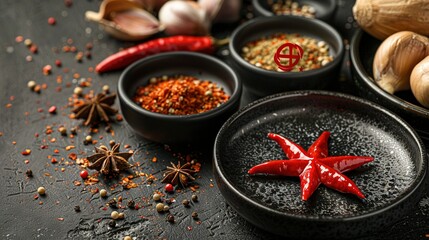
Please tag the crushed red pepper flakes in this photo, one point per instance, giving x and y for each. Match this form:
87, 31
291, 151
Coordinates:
47, 69
26, 152
180, 95
72, 156
19, 39
70, 147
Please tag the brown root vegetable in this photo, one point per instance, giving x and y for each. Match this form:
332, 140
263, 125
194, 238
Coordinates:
382, 18
396, 58
419, 81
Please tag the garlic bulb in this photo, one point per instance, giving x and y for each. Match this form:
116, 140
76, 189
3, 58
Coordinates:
381, 18
222, 10
184, 17
419, 81
395, 59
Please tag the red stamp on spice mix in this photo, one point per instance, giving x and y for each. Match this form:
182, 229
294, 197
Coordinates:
287, 56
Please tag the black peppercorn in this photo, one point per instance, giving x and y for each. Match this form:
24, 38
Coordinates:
112, 223
131, 204
194, 198
76, 208
194, 215
73, 130
185, 203
170, 218
112, 203
29, 173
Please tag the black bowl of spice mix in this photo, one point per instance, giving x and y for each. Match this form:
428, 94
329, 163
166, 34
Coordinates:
319, 9
265, 53
179, 97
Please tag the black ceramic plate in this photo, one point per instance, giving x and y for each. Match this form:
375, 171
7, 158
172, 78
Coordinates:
392, 183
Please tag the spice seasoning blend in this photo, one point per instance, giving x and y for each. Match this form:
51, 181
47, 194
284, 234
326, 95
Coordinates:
180, 95
284, 7
261, 52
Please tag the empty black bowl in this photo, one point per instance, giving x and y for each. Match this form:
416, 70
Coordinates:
324, 8
261, 82
178, 129
362, 52
393, 183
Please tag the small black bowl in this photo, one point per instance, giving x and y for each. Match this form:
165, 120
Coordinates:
324, 8
393, 183
261, 82
362, 51
178, 129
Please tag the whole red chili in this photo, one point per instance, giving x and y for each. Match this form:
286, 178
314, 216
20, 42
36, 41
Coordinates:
125, 57
313, 166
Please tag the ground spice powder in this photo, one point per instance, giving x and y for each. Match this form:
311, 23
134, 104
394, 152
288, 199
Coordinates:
180, 95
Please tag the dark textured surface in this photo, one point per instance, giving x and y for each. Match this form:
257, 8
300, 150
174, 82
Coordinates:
356, 128
24, 218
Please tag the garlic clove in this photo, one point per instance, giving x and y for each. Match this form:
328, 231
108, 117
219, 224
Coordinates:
395, 59
125, 20
184, 17
419, 81
222, 11
211, 7
151, 5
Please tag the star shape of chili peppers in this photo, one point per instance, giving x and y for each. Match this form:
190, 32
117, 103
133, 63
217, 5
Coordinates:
313, 166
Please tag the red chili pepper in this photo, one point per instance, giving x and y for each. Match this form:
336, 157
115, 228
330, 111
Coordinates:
125, 57
291, 149
290, 168
294, 167
309, 179
313, 167
335, 180
319, 149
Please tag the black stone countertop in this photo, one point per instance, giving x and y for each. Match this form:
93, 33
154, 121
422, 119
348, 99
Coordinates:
24, 114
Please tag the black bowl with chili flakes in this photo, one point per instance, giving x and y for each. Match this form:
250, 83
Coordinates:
164, 98
320, 73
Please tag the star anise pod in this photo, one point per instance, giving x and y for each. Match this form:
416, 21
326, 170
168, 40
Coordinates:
177, 173
96, 109
109, 161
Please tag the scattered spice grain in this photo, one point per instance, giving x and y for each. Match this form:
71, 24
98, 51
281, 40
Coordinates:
41, 191
114, 215
180, 95
112, 223
185, 203
160, 207
127, 238
51, 21
156, 197
77, 208
31, 84
194, 215
170, 218
194, 198
103, 193
29, 173
131, 204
